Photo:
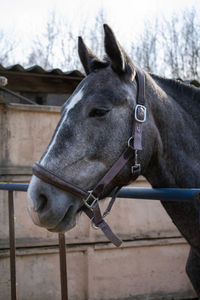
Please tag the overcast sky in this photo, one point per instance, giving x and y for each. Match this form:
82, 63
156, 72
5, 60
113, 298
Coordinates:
22, 19
127, 16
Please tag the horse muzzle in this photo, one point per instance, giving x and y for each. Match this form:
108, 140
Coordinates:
50, 207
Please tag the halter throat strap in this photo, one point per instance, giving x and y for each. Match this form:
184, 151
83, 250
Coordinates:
90, 198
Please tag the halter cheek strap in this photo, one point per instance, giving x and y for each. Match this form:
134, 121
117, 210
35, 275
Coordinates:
90, 198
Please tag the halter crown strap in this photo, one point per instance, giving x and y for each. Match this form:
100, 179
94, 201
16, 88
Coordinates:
140, 111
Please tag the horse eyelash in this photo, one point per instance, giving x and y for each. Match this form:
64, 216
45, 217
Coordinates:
98, 112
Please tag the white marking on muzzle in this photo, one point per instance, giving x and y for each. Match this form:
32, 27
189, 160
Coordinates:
74, 100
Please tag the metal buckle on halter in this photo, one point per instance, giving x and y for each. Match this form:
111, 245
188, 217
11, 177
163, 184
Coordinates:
95, 199
136, 168
140, 109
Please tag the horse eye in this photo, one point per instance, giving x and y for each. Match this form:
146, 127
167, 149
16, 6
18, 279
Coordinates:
98, 112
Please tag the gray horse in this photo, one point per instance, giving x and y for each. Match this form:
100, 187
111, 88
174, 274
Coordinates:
96, 123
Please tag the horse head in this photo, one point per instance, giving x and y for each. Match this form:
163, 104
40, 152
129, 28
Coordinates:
95, 125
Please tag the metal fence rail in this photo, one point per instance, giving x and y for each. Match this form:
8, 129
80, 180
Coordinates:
192, 195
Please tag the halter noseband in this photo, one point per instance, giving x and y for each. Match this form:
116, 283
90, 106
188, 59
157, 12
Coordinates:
90, 198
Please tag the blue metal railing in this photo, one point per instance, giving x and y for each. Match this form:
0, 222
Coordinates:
163, 194
22, 187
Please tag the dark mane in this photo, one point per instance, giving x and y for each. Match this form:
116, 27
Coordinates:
178, 90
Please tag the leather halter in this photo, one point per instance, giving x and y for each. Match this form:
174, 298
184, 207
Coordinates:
90, 198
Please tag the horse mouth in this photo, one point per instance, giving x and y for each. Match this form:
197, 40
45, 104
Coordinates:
66, 223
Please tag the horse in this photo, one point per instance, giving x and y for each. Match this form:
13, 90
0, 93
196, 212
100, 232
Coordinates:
95, 125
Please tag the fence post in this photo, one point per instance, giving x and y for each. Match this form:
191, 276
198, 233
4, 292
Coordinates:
12, 245
63, 266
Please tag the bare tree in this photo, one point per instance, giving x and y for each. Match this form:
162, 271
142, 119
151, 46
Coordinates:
68, 47
7, 46
170, 37
43, 46
96, 35
95, 41
190, 48
167, 47
144, 52
66, 41
181, 45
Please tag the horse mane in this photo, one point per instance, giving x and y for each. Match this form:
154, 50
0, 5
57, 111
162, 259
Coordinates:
178, 89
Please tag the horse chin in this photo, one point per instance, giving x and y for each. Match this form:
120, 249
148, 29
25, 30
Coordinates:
67, 223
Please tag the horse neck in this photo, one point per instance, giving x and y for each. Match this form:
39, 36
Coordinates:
174, 137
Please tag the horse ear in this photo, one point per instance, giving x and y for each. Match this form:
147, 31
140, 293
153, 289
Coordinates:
87, 57
120, 61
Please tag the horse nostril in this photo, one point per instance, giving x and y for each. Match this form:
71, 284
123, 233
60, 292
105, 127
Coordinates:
40, 203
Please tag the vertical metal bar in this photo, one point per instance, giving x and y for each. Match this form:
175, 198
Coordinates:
63, 267
12, 245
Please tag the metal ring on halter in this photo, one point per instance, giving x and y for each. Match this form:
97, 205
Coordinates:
130, 142
93, 224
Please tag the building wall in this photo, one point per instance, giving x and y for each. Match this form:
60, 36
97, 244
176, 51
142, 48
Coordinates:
149, 265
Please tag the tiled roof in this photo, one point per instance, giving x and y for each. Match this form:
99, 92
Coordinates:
74, 73
39, 70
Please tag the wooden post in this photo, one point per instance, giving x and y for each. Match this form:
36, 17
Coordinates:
12, 245
3, 82
63, 266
